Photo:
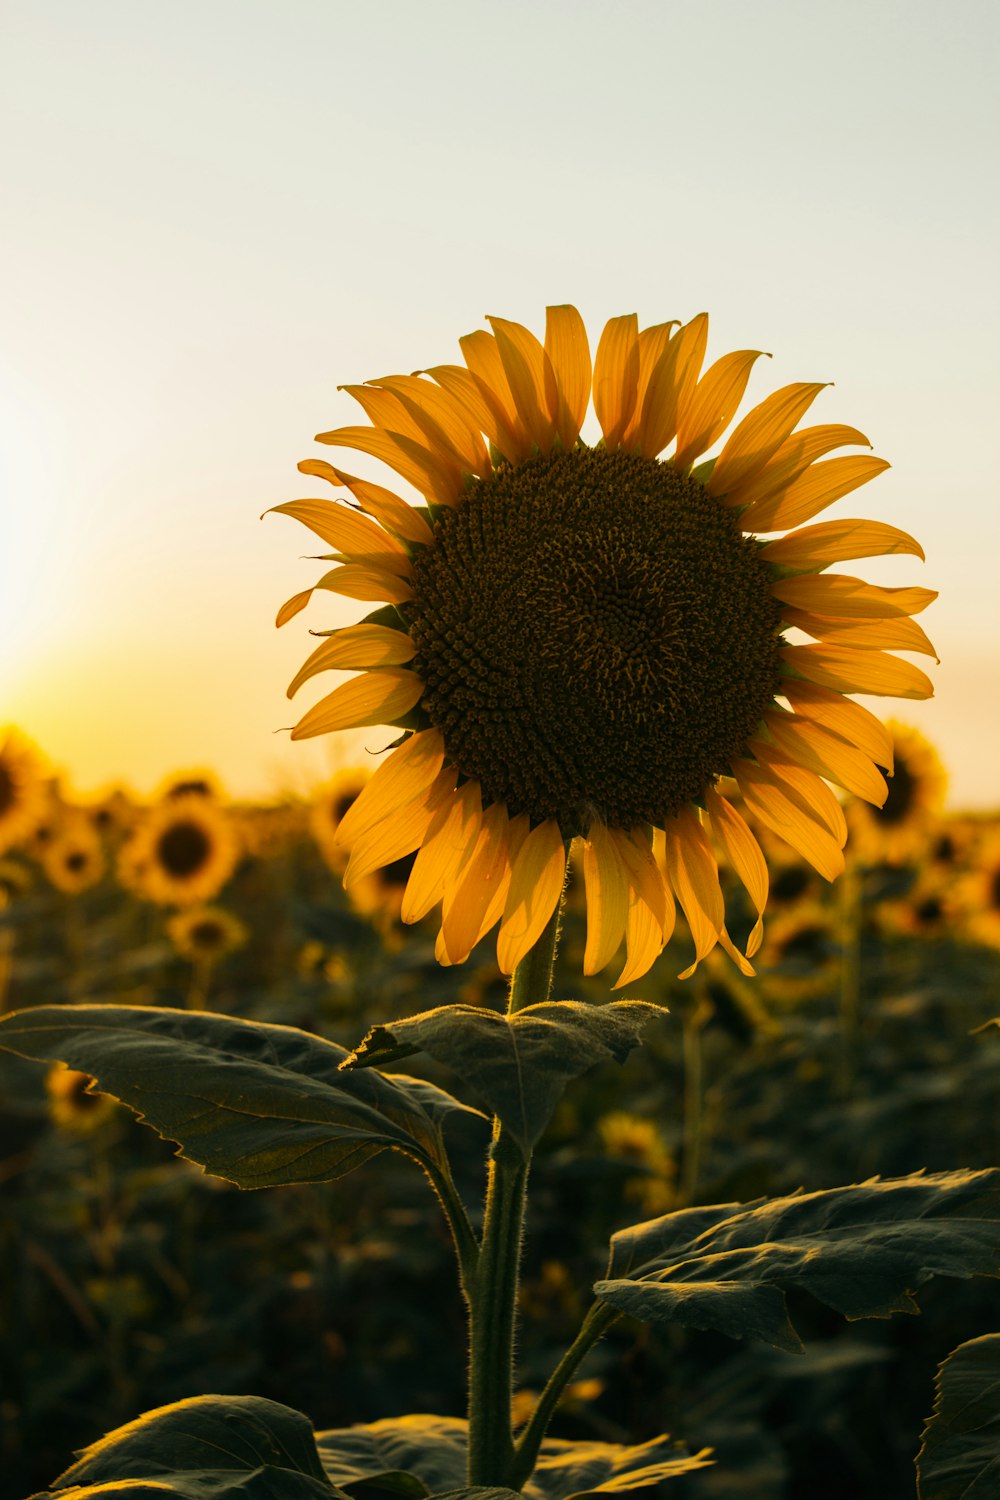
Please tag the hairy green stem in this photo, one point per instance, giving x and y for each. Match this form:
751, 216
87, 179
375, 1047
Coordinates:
598, 1320
462, 1233
492, 1291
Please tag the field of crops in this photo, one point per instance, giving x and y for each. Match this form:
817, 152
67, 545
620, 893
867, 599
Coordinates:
129, 1279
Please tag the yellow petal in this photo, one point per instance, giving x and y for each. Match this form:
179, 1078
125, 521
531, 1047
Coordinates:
827, 754
353, 649
850, 598
804, 787
392, 838
769, 800
674, 375
568, 372
435, 478
711, 406
899, 634
606, 883
643, 941
388, 509
653, 343
793, 457
447, 844
514, 837
813, 491
744, 965
536, 884
356, 581
441, 422
292, 607
644, 874
616, 377
694, 876
467, 903
352, 534
403, 776
814, 547
740, 847
529, 374
853, 671
850, 720
483, 359
374, 698
759, 436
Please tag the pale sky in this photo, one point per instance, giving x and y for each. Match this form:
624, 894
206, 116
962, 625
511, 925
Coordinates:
216, 211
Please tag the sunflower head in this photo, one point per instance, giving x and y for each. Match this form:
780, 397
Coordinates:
23, 789
903, 827
183, 852
74, 859
204, 934
590, 641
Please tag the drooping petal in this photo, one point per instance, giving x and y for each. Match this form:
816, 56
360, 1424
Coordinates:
353, 649
813, 491
389, 509
536, 884
606, 883
514, 836
402, 777
467, 903
759, 436
711, 406
448, 843
769, 799
293, 606
824, 752
392, 838
804, 787
853, 722
351, 533
853, 671
568, 373
694, 875
616, 377
813, 547
898, 634
374, 698
744, 854
643, 941
644, 874
850, 598
356, 581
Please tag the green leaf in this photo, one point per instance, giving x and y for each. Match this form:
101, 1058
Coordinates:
862, 1250
519, 1064
959, 1458
434, 1450
206, 1448
257, 1105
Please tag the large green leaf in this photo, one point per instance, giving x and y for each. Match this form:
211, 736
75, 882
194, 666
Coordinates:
518, 1064
960, 1455
862, 1250
433, 1449
258, 1105
206, 1448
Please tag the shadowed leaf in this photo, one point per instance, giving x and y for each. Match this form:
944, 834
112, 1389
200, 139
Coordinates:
518, 1064
434, 1450
206, 1448
960, 1455
862, 1250
257, 1105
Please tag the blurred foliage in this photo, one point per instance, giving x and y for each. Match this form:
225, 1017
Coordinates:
128, 1280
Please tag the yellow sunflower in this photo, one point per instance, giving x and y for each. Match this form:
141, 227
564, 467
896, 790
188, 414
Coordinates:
204, 934
902, 828
74, 860
182, 852
803, 954
73, 1104
23, 789
586, 642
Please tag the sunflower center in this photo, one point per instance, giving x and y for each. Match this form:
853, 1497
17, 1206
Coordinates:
596, 636
183, 848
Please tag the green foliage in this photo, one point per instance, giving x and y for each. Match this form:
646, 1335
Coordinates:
434, 1450
254, 1104
206, 1448
960, 1455
518, 1064
860, 1250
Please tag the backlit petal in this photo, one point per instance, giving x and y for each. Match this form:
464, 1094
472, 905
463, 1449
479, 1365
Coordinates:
353, 534
356, 581
388, 508
759, 436
899, 634
606, 883
353, 649
536, 885
828, 542
711, 405
853, 671
404, 775
568, 373
529, 375
852, 721
850, 598
813, 491
373, 698
827, 754
447, 844
616, 377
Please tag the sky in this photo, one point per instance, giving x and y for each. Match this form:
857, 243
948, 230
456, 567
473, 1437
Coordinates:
218, 211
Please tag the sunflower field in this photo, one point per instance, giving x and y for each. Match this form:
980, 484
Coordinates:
132, 1280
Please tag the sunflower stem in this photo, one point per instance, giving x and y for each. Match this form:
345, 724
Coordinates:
597, 1321
492, 1290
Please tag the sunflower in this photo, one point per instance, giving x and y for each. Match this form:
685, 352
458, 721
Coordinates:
74, 860
23, 789
586, 642
328, 811
803, 954
74, 1105
901, 829
183, 851
205, 934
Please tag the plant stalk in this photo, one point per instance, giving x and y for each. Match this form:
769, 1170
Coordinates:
598, 1320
